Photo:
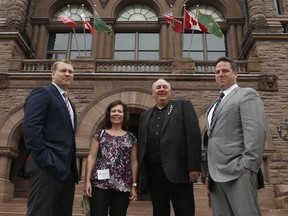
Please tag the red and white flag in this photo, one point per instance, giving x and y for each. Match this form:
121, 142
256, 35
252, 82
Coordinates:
193, 23
175, 24
67, 20
86, 24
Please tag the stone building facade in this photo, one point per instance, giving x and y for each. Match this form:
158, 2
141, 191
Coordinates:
255, 36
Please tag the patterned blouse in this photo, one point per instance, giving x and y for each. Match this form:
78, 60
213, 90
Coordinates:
114, 154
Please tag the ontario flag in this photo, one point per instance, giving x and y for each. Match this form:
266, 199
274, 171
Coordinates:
193, 23
66, 19
86, 23
174, 23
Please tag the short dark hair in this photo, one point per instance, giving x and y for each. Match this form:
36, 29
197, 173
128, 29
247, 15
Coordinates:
55, 65
233, 65
108, 123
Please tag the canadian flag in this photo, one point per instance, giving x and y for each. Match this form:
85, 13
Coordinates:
192, 23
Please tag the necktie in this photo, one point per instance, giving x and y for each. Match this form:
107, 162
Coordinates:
70, 111
216, 106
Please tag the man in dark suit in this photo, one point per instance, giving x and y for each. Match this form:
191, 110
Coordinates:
237, 134
49, 133
169, 152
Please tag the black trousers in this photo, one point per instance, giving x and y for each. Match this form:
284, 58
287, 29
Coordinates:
163, 192
48, 196
104, 201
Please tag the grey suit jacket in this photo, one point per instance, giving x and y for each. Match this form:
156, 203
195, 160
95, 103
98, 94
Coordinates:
237, 136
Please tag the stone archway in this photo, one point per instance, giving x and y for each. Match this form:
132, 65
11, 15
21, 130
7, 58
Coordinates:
10, 136
91, 118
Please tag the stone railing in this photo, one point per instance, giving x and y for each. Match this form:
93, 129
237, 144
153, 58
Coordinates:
173, 66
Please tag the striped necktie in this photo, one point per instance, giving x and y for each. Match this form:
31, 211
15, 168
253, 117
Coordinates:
216, 106
68, 105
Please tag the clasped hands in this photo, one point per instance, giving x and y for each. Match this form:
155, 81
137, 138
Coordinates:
193, 176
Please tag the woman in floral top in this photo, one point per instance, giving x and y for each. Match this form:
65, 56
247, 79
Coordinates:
111, 169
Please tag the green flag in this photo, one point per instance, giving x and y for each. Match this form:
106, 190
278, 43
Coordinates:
211, 24
100, 25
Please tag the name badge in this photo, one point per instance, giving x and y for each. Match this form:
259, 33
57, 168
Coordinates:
103, 174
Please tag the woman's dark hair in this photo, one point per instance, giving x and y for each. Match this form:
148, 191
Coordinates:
108, 123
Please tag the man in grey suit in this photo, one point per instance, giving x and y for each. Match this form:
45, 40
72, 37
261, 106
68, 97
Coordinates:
237, 135
169, 152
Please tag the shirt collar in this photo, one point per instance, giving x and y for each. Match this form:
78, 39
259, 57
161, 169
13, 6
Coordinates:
59, 88
231, 88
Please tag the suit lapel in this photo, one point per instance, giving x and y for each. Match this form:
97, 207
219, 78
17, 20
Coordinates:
62, 102
168, 112
221, 105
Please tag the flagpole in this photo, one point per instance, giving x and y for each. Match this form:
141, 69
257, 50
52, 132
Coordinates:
174, 37
184, 23
196, 16
84, 32
76, 41
74, 32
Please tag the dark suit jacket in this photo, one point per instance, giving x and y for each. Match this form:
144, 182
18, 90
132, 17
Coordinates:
180, 142
48, 132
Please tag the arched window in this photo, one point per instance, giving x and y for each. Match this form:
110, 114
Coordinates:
204, 46
136, 44
137, 12
70, 42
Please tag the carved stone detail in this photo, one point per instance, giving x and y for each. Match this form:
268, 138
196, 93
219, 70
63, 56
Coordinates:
268, 83
103, 3
3, 80
257, 19
170, 2
17, 15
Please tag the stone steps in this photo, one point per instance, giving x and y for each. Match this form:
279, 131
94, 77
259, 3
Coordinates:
143, 207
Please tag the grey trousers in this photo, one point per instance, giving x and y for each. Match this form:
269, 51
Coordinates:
236, 198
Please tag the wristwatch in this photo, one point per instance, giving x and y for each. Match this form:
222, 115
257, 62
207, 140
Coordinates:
134, 184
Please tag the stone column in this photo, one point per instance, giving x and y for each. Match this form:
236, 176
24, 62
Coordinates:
164, 41
109, 41
40, 44
6, 187
239, 32
233, 40
35, 35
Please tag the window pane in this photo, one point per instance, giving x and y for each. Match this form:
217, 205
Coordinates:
125, 41
75, 53
194, 55
195, 40
148, 41
148, 55
215, 43
81, 39
124, 55
58, 41
215, 55
56, 56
